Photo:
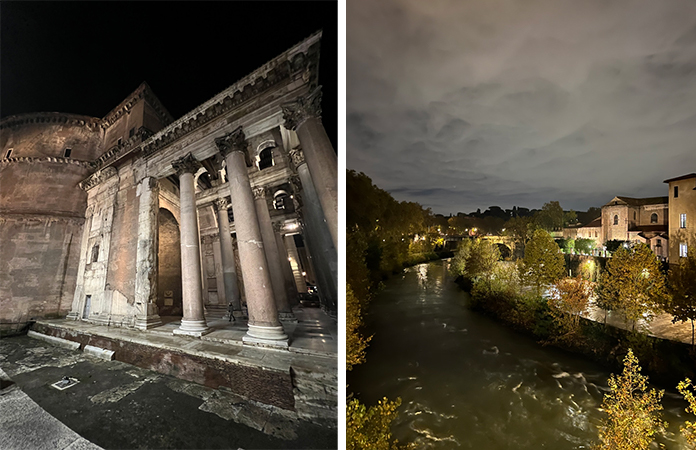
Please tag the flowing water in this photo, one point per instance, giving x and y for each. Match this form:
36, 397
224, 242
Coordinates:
466, 381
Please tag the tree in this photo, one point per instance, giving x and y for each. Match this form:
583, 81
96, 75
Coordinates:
543, 262
614, 245
682, 301
482, 258
634, 284
584, 246
370, 428
570, 218
475, 259
458, 263
355, 342
633, 412
569, 299
686, 388
550, 217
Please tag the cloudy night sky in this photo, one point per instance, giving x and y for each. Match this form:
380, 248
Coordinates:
460, 105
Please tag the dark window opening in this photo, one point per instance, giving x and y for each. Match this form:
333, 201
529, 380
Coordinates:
131, 132
676, 191
95, 253
118, 142
266, 158
67, 153
659, 243
653, 218
9, 152
634, 215
616, 220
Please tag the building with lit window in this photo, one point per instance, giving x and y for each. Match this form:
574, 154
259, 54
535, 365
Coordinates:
682, 215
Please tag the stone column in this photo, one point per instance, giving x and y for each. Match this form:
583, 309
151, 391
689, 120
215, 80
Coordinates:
229, 271
317, 237
294, 257
290, 287
264, 327
304, 117
193, 323
272, 257
146, 256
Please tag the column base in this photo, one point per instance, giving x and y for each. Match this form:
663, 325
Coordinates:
287, 317
146, 323
261, 336
195, 328
72, 315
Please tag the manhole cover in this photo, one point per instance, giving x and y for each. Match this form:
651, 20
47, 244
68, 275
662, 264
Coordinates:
65, 383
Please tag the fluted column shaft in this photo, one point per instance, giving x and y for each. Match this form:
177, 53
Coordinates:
272, 256
304, 116
264, 327
146, 256
193, 322
229, 270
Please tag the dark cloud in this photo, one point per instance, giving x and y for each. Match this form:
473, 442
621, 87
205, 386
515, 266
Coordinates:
461, 105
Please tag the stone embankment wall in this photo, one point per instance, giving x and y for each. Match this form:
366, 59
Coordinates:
42, 212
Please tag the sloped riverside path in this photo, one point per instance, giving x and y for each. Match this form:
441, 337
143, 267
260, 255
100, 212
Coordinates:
466, 381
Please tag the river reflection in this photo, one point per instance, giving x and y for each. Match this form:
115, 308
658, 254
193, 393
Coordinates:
468, 382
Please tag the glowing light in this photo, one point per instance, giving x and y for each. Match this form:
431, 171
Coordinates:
304, 273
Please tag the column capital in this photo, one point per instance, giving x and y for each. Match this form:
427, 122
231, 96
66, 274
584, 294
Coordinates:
278, 226
186, 164
298, 111
222, 203
297, 157
232, 142
259, 192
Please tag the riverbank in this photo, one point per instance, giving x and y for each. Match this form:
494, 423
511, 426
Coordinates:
666, 361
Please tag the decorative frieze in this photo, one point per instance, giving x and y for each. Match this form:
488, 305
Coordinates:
48, 159
186, 164
298, 111
48, 118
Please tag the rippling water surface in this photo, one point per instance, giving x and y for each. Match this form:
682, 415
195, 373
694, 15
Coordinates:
468, 382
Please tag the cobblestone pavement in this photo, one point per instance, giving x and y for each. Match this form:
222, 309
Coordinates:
119, 406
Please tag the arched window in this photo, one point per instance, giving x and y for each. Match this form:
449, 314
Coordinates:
616, 219
653, 218
266, 158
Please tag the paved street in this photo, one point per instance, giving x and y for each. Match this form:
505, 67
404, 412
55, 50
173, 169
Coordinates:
119, 406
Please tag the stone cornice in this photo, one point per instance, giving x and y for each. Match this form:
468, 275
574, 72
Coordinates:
117, 151
302, 61
97, 177
18, 120
47, 159
142, 92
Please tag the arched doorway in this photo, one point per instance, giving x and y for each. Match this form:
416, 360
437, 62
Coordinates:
168, 265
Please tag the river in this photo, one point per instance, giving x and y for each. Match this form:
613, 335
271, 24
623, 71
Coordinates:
467, 381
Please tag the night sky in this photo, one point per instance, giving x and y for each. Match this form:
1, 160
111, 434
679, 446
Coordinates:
460, 105
86, 57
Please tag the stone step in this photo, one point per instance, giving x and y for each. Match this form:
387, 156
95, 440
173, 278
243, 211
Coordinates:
316, 394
